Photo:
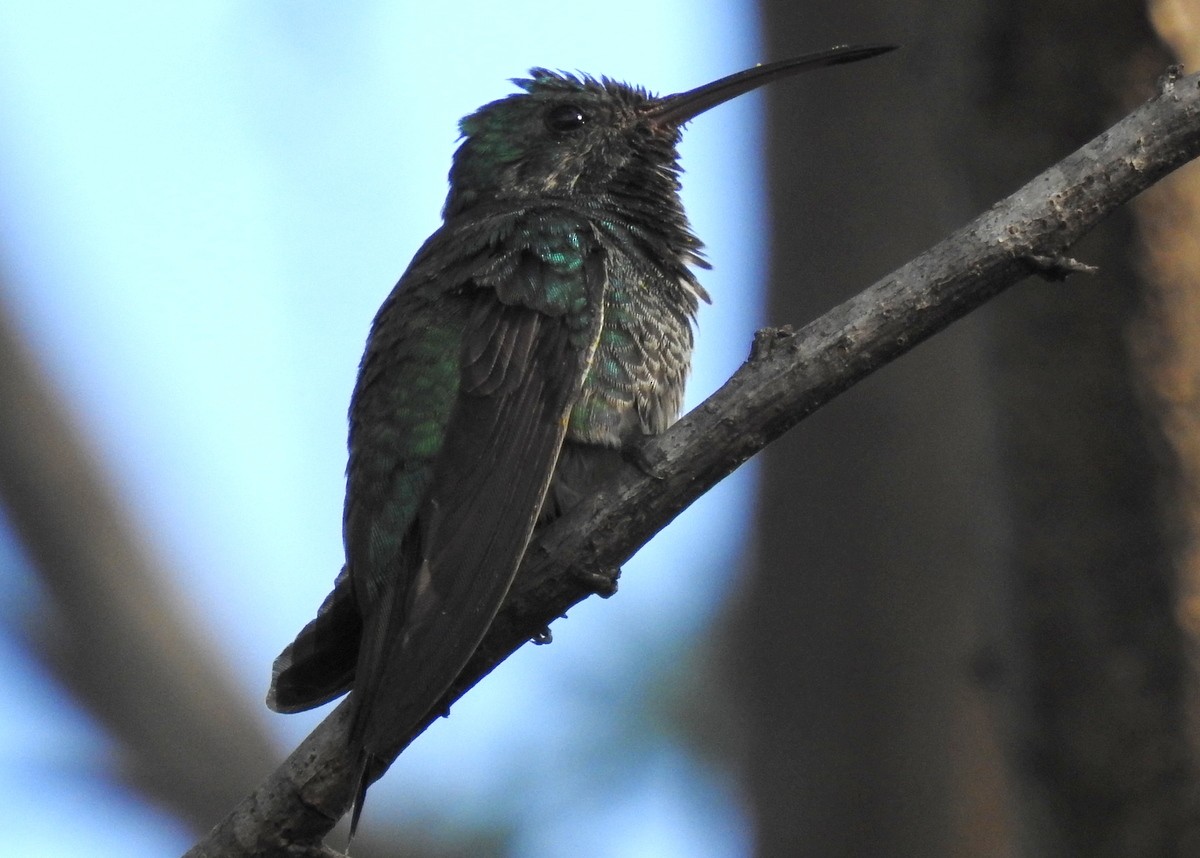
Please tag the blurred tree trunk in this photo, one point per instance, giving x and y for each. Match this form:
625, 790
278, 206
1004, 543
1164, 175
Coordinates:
1095, 692
1167, 338
987, 511
880, 519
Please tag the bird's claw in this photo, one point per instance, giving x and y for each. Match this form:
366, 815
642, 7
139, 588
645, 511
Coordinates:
602, 582
636, 456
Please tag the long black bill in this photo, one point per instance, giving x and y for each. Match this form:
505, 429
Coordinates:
679, 108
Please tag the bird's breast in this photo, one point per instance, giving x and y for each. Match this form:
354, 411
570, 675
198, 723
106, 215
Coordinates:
634, 385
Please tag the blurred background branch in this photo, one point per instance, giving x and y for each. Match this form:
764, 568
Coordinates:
117, 635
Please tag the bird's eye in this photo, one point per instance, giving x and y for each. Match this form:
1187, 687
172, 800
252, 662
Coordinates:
565, 117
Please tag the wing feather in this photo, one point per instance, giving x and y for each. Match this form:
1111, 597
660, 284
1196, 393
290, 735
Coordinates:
521, 369
457, 423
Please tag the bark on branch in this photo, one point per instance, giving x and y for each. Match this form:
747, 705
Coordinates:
787, 377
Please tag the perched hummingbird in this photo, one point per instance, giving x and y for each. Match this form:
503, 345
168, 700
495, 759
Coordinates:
542, 330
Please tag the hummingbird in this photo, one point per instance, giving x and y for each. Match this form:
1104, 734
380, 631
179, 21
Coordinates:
536, 338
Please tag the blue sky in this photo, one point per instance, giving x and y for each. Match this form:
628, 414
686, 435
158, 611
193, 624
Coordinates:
203, 205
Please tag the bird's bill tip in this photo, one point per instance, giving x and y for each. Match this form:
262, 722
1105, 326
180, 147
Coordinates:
679, 108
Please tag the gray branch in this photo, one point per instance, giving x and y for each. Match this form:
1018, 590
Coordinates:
788, 376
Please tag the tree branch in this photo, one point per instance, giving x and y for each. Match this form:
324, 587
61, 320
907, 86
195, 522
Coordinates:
788, 376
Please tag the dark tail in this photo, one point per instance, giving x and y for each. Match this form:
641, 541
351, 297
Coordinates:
319, 665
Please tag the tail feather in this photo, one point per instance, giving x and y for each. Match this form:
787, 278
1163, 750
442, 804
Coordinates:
319, 664
364, 780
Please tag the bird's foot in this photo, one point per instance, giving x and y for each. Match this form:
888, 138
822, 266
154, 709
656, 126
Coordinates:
601, 581
636, 455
